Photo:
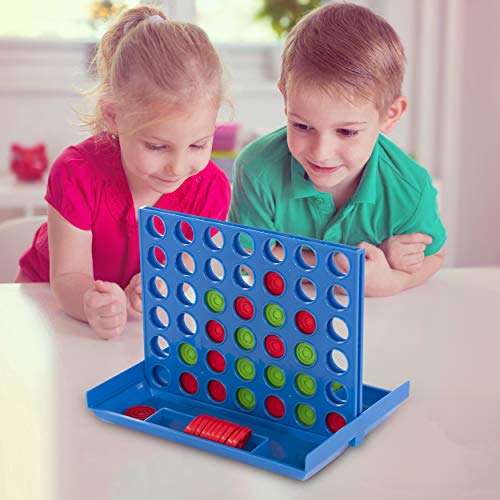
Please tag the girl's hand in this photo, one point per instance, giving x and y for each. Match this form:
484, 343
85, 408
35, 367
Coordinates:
380, 279
133, 292
105, 306
405, 252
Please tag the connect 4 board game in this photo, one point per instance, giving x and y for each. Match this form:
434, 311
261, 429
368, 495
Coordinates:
253, 346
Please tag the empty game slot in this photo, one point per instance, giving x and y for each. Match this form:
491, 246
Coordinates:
255, 442
171, 419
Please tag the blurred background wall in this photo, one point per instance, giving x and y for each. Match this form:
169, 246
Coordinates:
453, 81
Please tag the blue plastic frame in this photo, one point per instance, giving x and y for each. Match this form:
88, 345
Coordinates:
283, 445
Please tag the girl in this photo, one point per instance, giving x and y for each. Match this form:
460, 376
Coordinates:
160, 88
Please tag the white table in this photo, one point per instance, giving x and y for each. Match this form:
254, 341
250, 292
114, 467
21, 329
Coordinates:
442, 443
26, 195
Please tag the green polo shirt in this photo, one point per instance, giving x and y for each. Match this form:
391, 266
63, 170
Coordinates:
395, 196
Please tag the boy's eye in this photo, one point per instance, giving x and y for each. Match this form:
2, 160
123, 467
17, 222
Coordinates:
301, 126
154, 147
346, 132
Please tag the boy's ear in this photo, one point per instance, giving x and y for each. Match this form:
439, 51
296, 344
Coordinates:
282, 90
109, 115
393, 114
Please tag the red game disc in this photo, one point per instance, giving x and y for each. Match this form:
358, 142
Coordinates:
275, 406
207, 432
189, 383
215, 331
244, 308
202, 423
335, 421
227, 432
191, 426
274, 346
217, 390
274, 283
216, 361
305, 322
140, 412
239, 437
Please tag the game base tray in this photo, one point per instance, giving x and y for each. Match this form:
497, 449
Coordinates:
273, 446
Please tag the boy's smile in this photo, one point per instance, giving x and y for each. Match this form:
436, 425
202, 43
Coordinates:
330, 137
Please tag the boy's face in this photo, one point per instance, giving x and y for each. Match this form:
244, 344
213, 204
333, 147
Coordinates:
330, 137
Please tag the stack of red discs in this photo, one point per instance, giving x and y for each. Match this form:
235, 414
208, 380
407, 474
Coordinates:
221, 431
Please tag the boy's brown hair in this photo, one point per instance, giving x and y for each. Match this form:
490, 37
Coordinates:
345, 49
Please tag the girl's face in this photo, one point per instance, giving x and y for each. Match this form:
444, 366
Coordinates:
158, 158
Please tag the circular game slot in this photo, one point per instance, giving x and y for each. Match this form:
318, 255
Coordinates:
157, 257
214, 238
160, 346
274, 315
184, 232
337, 393
243, 244
187, 324
338, 329
159, 317
339, 264
338, 361
306, 290
305, 353
186, 294
275, 376
274, 251
338, 297
214, 270
158, 287
244, 276
156, 227
306, 257
161, 376
274, 346
185, 264
335, 421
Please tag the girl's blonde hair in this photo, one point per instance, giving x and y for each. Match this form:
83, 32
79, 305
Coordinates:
146, 64
345, 49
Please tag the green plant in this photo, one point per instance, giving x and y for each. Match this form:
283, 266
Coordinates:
285, 14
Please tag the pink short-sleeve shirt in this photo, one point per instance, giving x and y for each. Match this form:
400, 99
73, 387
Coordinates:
88, 187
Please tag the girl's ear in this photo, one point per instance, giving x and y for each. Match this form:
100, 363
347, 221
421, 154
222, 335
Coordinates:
393, 114
109, 115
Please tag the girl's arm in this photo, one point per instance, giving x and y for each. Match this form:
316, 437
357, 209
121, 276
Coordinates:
101, 304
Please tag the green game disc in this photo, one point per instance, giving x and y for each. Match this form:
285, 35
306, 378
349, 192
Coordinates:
188, 354
215, 301
274, 315
245, 338
275, 376
245, 369
305, 353
246, 398
305, 384
305, 415
336, 386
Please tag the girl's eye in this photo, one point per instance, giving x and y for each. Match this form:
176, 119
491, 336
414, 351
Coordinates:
346, 132
154, 147
198, 146
301, 126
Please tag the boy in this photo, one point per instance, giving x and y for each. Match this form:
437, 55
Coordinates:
329, 174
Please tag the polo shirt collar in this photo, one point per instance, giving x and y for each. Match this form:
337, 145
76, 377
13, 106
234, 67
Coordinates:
302, 187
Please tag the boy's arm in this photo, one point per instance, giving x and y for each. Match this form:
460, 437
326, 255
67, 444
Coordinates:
381, 280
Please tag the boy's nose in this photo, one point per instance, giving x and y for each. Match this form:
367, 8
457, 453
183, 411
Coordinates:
322, 150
